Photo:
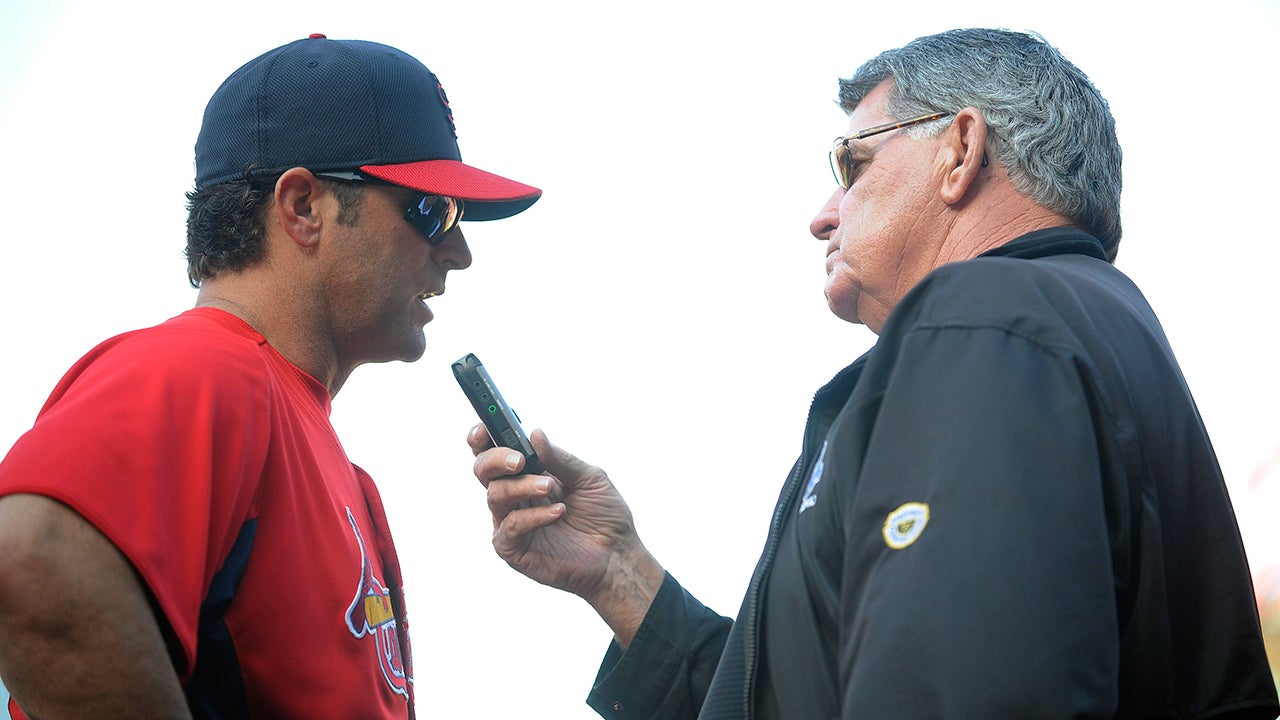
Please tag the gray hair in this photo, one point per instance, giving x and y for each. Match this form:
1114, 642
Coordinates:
1046, 123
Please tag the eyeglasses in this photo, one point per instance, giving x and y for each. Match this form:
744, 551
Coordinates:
433, 216
842, 162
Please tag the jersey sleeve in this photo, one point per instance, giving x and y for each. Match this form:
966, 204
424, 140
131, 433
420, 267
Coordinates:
978, 564
158, 442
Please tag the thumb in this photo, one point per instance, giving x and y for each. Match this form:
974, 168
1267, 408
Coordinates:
570, 470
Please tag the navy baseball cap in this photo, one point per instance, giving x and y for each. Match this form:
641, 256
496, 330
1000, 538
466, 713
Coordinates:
344, 105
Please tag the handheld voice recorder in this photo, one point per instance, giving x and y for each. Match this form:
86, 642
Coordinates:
502, 422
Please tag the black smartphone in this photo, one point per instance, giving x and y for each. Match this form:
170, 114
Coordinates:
497, 416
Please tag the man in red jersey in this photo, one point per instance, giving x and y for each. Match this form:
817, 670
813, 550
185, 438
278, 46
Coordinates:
181, 532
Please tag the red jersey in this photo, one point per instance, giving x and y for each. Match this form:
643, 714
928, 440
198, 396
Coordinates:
209, 460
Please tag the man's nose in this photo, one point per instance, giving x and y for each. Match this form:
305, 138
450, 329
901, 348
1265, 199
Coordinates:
828, 218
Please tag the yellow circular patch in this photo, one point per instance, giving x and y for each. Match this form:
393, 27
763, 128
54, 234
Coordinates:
904, 525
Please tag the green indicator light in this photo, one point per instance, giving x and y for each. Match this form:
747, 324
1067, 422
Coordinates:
493, 409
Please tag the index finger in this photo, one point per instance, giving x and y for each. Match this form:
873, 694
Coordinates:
479, 440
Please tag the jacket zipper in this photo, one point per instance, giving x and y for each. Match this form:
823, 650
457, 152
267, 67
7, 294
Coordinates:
771, 548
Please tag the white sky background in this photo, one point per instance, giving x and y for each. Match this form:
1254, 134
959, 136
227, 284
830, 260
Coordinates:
660, 310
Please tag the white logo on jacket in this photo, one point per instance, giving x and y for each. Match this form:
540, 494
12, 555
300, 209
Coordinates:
815, 476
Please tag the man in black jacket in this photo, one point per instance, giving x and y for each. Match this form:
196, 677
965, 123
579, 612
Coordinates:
1007, 508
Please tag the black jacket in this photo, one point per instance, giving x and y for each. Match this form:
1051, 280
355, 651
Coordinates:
1008, 508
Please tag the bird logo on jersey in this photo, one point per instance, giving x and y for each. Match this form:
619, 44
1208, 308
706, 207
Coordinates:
371, 613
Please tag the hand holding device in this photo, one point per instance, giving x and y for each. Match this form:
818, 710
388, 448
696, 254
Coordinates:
575, 532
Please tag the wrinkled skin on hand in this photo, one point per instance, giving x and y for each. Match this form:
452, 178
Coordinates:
569, 529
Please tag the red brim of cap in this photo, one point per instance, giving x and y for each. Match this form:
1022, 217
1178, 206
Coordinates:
488, 196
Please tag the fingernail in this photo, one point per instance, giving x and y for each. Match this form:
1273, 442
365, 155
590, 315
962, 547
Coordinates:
513, 459
542, 483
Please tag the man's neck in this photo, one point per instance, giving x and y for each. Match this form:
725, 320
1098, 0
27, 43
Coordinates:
276, 317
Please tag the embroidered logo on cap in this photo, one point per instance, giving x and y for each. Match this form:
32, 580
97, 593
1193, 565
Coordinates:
448, 111
904, 525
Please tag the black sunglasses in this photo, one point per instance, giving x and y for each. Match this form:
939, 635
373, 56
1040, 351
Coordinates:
433, 216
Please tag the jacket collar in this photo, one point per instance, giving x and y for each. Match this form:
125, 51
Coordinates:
1035, 244
1050, 241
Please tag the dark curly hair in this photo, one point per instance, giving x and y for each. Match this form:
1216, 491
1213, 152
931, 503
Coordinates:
225, 223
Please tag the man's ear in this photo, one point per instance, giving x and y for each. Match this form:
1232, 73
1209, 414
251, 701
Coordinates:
295, 200
965, 145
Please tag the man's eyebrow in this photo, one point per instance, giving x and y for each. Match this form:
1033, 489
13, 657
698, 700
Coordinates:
864, 147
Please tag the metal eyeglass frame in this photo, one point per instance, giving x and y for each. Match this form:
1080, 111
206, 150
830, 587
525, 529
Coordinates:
839, 156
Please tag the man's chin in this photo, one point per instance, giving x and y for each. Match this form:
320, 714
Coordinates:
844, 309
414, 353
410, 349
